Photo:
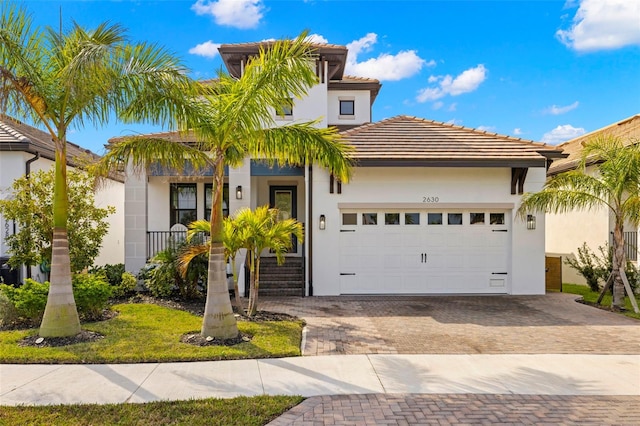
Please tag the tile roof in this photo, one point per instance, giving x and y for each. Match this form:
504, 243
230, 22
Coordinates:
18, 136
628, 129
405, 140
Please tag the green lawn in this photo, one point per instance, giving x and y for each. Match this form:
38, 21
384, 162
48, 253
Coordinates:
244, 411
592, 296
151, 333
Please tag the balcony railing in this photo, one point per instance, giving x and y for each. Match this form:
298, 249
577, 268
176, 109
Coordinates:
631, 245
158, 241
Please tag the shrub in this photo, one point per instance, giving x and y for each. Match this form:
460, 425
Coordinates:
162, 278
8, 312
29, 300
127, 287
92, 293
590, 265
595, 268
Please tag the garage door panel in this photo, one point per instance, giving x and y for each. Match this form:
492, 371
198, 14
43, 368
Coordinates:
414, 259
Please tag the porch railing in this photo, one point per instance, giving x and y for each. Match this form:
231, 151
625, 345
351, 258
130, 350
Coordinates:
158, 241
631, 245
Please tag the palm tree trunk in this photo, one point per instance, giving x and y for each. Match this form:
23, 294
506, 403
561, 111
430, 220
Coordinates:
236, 290
618, 262
255, 285
218, 320
60, 315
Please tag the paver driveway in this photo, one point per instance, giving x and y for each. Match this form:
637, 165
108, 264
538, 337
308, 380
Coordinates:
552, 323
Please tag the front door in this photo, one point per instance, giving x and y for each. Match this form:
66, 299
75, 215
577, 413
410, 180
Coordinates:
284, 198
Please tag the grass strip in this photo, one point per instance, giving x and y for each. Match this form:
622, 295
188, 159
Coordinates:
245, 411
591, 297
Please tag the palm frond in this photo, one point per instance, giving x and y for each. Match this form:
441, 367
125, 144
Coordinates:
303, 143
188, 253
144, 152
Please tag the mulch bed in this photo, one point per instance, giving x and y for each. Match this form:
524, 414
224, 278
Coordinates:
43, 342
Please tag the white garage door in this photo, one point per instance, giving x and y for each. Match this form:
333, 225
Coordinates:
412, 252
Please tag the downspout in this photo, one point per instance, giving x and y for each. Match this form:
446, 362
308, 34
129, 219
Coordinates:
310, 232
27, 174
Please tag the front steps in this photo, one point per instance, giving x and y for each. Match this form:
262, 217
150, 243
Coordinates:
281, 280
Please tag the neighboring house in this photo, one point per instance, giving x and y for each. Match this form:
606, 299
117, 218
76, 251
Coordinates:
567, 232
430, 209
25, 149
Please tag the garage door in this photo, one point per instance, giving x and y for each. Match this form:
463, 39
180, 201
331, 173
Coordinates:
413, 252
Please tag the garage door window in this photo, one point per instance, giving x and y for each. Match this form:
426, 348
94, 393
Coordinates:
496, 218
392, 218
476, 218
434, 218
349, 219
412, 218
454, 218
369, 218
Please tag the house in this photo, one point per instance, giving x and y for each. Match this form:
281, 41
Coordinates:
430, 209
567, 232
25, 149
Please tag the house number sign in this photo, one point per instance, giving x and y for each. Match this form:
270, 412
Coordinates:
430, 199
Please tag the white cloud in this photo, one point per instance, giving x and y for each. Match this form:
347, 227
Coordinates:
562, 133
557, 110
241, 14
602, 25
208, 49
316, 38
452, 107
385, 67
517, 131
490, 129
468, 81
437, 105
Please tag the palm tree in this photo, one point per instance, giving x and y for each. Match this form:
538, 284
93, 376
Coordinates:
615, 186
234, 122
61, 80
260, 230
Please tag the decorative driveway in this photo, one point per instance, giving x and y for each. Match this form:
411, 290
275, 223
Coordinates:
552, 324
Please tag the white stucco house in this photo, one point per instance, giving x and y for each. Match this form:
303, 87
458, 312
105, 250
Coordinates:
430, 208
25, 149
566, 232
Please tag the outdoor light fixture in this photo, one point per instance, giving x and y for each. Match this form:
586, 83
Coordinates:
323, 222
239, 192
531, 221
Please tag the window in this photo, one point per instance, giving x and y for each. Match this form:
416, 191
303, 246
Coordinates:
369, 218
347, 107
496, 218
454, 218
434, 218
208, 199
476, 218
286, 108
412, 218
183, 203
392, 218
349, 218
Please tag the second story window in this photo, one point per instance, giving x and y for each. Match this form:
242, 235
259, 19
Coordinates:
285, 109
183, 203
347, 107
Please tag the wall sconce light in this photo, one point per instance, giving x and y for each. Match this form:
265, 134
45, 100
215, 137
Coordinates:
239, 192
323, 222
531, 221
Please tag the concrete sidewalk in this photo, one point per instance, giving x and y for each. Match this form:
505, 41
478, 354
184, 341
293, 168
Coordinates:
539, 374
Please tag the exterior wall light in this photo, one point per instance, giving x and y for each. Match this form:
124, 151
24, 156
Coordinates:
531, 221
323, 222
239, 192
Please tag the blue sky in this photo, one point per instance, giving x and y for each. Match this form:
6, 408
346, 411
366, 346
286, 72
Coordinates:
541, 70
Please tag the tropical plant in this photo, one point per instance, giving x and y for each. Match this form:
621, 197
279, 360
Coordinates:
198, 246
260, 230
30, 206
236, 121
63, 79
592, 267
164, 275
615, 186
